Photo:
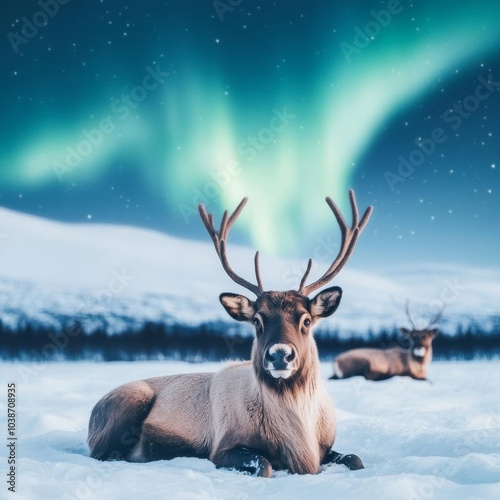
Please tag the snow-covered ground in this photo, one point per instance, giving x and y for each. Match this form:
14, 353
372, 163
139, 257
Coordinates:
417, 440
119, 277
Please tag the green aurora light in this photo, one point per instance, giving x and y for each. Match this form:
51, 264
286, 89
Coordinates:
339, 108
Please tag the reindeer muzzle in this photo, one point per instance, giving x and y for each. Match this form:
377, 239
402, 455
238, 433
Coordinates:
279, 360
419, 352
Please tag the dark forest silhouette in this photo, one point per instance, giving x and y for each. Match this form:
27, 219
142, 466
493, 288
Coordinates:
207, 343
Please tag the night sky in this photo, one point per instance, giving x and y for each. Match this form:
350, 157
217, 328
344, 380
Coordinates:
133, 112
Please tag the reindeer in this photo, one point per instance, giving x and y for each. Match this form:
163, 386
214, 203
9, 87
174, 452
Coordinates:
381, 364
271, 412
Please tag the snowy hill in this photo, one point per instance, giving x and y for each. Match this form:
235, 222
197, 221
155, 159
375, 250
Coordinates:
121, 277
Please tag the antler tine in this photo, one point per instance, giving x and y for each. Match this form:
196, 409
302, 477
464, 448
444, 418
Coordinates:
306, 274
437, 317
208, 221
350, 236
235, 215
408, 315
257, 272
338, 215
354, 206
219, 240
365, 218
344, 229
223, 226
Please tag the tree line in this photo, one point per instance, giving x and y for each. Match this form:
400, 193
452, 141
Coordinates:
207, 342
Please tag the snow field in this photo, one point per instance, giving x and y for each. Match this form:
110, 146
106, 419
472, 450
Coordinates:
417, 440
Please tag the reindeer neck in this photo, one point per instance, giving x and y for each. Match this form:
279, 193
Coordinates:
417, 367
289, 423
422, 361
303, 384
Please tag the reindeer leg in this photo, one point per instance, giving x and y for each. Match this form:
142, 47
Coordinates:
352, 462
244, 460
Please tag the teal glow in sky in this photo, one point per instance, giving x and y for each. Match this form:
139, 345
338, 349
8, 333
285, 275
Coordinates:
280, 104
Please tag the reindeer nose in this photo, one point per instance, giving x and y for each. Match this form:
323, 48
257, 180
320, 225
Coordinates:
280, 356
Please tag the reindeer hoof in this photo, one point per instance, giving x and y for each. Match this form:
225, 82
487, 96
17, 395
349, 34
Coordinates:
264, 469
352, 462
259, 467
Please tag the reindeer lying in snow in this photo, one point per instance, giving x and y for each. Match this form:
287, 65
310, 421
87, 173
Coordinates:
270, 412
381, 364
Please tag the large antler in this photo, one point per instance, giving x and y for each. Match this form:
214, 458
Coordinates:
220, 237
350, 236
408, 315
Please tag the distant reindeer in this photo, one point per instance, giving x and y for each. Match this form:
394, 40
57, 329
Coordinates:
270, 412
381, 364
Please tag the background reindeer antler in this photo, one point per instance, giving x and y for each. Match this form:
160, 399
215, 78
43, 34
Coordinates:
432, 322
408, 315
437, 317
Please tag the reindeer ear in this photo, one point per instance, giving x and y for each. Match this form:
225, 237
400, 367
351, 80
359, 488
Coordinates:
326, 302
238, 306
405, 332
434, 332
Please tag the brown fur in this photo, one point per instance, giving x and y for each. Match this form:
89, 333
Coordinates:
116, 419
290, 422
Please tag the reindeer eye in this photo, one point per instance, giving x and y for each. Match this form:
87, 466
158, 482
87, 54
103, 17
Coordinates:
256, 322
307, 322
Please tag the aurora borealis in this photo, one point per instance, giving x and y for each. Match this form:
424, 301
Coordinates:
131, 113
